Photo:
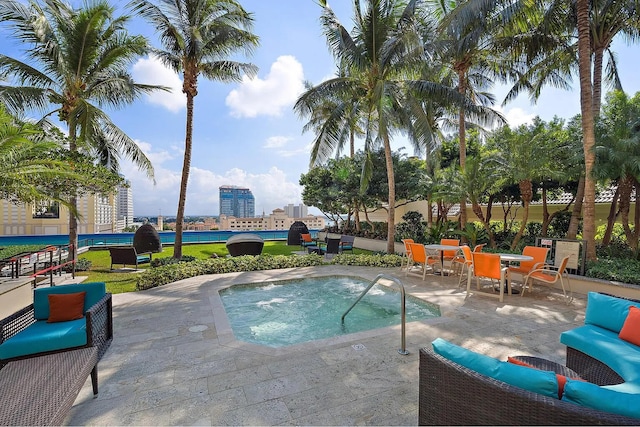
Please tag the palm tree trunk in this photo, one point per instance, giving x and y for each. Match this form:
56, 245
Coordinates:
186, 165
611, 219
576, 214
626, 187
462, 88
597, 81
526, 192
391, 218
588, 133
73, 211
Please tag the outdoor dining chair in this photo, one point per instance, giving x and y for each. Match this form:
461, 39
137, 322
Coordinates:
539, 256
550, 275
478, 248
407, 252
419, 256
488, 266
463, 262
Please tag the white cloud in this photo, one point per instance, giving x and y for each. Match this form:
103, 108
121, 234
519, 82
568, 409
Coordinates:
279, 89
517, 116
151, 71
276, 141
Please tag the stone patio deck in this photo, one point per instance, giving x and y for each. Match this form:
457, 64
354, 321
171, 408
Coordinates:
174, 359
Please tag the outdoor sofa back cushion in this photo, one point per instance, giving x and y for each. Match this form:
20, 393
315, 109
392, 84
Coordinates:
604, 399
94, 293
606, 311
541, 382
42, 336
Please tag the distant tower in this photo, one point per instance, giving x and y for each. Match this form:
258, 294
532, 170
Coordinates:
237, 201
160, 222
125, 203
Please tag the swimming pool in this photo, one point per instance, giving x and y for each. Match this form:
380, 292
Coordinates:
278, 314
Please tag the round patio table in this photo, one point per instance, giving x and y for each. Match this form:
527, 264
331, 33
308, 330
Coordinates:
507, 258
441, 248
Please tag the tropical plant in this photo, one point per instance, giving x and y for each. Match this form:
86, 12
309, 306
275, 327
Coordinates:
78, 62
198, 38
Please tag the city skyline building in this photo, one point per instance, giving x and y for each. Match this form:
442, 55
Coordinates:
237, 201
124, 204
296, 211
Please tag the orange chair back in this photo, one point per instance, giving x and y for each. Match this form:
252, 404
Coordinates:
539, 257
407, 248
418, 253
306, 237
563, 264
478, 248
486, 265
450, 242
468, 257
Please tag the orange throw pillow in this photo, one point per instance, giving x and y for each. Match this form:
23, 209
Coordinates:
64, 307
562, 380
630, 331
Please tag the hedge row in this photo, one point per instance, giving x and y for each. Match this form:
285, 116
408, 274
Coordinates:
162, 275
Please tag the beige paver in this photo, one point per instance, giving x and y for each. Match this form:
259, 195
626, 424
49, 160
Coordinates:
175, 361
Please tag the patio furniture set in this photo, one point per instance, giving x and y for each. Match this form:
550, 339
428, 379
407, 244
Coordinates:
532, 265
600, 384
49, 348
330, 245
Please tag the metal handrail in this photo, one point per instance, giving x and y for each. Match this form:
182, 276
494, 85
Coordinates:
397, 281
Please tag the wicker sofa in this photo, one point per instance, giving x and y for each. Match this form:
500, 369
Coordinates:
451, 394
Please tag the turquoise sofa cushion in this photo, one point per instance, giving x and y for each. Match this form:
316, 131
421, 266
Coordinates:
143, 258
95, 291
604, 399
605, 346
606, 311
42, 336
541, 382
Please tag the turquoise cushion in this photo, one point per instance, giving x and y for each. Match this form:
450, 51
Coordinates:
347, 247
606, 311
608, 400
42, 336
95, 291
541, 382
143, 258
605, 346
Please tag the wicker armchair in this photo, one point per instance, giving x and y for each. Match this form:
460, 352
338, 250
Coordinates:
99, 326
451, 394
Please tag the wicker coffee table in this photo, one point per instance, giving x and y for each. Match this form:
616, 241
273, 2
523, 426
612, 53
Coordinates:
547, 365
40, 390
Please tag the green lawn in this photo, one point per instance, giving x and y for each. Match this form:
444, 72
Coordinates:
126, 282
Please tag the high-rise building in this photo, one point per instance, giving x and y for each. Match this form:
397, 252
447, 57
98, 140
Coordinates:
237, 201
125, 204
296, 211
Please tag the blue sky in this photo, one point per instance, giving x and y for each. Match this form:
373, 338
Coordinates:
246, 134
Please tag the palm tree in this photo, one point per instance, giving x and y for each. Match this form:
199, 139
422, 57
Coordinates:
467, 45
198, 37
381, 57
588, 131
77, 63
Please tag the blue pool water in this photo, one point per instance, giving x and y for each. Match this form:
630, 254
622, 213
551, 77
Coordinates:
283, 313
166, 237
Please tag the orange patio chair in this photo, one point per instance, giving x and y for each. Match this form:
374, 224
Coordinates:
449, 255
306, 240
463, 261
407, 252
550, 275
478, 248
419, 256
488, 266
539, 259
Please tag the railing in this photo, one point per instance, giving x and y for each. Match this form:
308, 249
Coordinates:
403, 349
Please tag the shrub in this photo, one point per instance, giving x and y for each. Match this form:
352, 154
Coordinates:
82, 264
616, 269
168, 273
377, 260
170, 260
412, 228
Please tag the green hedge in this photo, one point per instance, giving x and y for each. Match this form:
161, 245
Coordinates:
164, 274
616, 269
